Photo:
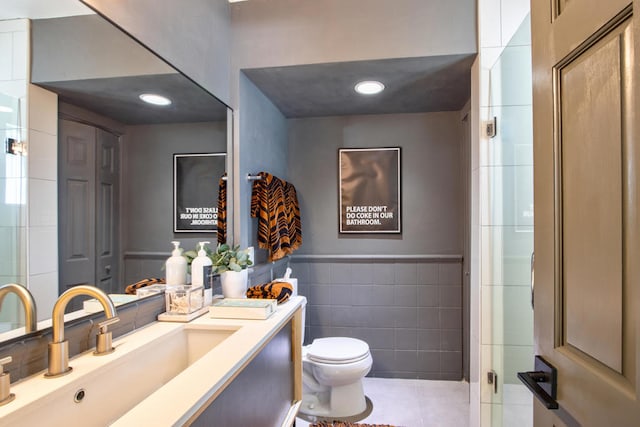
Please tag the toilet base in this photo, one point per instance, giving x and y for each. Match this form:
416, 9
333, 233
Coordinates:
337, 402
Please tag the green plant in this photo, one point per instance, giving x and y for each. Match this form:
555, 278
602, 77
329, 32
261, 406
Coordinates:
229, 258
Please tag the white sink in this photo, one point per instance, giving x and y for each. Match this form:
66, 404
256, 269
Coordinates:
100, 389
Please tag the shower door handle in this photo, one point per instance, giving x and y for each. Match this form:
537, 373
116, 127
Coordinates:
533, 268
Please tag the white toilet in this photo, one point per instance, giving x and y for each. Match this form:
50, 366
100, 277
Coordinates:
332, 372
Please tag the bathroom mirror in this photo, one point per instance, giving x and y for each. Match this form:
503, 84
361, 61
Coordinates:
94, 73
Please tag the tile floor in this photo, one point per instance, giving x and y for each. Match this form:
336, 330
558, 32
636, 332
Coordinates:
415, 403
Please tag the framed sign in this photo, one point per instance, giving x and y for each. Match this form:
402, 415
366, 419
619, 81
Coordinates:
196, 178
370, 190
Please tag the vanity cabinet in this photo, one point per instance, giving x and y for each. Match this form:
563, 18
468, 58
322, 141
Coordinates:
267, 390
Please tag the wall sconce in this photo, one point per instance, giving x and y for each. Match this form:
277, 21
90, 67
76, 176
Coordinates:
15, 147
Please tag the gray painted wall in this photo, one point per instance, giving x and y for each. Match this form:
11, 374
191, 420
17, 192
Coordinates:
289, 32
147, 190
194, 39
431, 181
263, 147
410, 312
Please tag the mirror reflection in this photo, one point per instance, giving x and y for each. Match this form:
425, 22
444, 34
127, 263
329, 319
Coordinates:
87, 186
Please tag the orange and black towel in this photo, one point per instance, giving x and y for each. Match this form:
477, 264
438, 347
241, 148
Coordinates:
222, 209
132, 288
274, 290
293, 216
275, 204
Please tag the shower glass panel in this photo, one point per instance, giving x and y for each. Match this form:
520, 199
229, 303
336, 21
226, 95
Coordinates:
13, 183
507, 227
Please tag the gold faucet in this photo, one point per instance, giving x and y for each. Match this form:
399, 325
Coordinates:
27, 301
59, 347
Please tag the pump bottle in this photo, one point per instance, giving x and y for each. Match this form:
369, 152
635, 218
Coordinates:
176, 267
200, 272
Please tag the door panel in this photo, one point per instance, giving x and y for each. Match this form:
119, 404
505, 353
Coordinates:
590, 169
107, 249
76, 204
586, 208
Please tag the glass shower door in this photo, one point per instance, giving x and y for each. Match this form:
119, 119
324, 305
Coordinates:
507, 235
13, 211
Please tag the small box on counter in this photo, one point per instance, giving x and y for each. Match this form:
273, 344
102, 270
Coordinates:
184, 299
243, 308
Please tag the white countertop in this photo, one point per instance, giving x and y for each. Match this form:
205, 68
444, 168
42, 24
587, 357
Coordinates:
181, 398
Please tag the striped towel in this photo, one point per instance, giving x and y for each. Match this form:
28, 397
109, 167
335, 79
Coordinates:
132, 288
280, 291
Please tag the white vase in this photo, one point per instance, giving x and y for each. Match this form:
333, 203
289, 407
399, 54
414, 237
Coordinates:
234, 283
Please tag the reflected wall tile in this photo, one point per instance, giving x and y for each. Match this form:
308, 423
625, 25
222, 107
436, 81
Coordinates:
511, 77
509, 194
506, 256
44, 288
492, 323
20, 62
43, 110
513, 143
518, 329
43, 203
516, 359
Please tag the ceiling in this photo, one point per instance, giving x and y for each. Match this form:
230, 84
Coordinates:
413, 85
117, 98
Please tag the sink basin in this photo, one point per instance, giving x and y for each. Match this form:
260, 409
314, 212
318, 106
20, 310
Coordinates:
100, 389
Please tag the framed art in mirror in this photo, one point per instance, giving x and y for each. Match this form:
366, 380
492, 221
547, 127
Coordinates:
196, 179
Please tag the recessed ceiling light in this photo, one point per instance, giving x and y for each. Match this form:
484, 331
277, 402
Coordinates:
152, 98
369, 87
4, 109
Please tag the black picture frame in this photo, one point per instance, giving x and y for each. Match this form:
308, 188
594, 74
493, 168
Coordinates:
370, 196
196, 179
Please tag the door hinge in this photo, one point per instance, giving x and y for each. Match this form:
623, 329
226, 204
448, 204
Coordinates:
492, 379
491, 127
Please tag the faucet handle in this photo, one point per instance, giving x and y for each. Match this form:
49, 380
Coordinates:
5, 382
103, 339
102, 326
5, 361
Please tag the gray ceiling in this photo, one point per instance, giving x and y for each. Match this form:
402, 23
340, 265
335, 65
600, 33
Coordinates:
425, 84
118, 98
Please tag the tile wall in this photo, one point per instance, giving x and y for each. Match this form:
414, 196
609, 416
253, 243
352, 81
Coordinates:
409, 312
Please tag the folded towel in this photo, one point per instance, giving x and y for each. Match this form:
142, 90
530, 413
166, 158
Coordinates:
280, 291
132, 288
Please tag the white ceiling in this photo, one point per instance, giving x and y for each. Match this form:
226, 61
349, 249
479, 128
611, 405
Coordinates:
40, 9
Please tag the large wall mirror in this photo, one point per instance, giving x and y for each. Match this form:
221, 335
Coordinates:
89, 200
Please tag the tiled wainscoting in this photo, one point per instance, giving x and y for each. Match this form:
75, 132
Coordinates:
408, 311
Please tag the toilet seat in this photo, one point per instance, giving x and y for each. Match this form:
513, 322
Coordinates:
337, 350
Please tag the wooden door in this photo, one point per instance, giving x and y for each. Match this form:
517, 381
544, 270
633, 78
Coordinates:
76, 204
107, 208
587, 226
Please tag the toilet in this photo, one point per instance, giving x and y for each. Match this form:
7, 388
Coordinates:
332, 372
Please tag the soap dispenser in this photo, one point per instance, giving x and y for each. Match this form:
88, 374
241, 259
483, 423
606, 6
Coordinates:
176, 267
200, 272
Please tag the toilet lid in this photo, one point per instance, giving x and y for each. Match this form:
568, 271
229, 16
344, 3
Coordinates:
337, 350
